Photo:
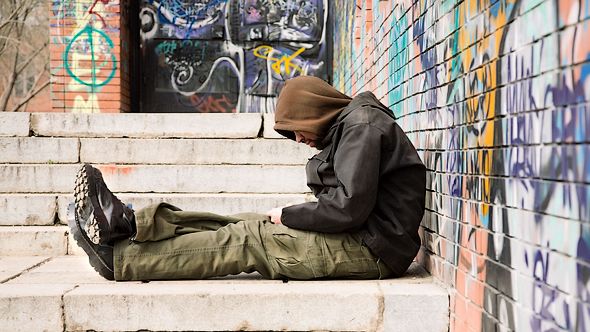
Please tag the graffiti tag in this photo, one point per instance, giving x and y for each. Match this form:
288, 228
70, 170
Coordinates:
278, 64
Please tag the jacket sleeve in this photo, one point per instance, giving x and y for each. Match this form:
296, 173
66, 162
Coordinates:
347, 206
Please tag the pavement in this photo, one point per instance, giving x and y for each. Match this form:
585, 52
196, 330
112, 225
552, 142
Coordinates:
63, 293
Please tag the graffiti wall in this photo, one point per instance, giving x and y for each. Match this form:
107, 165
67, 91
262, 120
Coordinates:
85, 46
496, 97
228, 56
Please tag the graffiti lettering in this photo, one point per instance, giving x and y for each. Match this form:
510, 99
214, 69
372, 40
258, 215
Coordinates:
86, 35
497, 106
210, 104
97, 14
279, 64
218, 59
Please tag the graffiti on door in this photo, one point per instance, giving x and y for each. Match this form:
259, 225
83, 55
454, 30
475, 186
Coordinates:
228, 55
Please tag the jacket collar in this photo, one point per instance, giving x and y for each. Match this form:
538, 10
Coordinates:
362, 99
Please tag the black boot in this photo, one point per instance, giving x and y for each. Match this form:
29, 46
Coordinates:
100, 219
106, 219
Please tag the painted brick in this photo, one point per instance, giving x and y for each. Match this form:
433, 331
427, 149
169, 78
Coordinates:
488, 99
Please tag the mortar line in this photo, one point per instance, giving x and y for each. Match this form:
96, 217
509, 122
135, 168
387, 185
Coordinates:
63, 306
25, 270
381, 304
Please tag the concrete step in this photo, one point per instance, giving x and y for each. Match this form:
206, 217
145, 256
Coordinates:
28, 221
224, 204
144, 125
65, 294
15, 124
168, 125
44, 178
54, 239
194, 151
34, 240
32, 150
41, 209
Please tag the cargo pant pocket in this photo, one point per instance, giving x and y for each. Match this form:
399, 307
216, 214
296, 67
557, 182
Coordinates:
348, 258
293, 253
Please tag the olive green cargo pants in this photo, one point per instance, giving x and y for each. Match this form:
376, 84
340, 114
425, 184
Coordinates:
175, 244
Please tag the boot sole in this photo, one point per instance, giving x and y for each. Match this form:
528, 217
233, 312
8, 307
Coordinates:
96, 261
85, 194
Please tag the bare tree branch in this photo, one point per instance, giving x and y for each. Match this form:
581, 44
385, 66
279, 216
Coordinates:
10, 85
27, 61
33, 93
22, 41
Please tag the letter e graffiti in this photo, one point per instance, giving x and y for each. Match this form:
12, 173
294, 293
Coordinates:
87, 35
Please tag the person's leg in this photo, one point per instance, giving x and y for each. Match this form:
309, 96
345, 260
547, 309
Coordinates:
163, 221
300, 254
174, 244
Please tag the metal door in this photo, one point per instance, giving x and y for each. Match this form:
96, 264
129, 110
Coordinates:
228, 56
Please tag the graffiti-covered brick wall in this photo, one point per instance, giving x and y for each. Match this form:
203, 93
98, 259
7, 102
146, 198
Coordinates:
88, 71
228, 56
495, 95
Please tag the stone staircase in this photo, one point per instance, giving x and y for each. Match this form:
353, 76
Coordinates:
222, 163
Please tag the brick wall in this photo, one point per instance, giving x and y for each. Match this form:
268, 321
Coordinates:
495, 95
85, 54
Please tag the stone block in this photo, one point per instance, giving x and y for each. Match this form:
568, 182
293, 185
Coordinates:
194, 151
406, 303
205, 179
37, 178
147, 125
29, 210
11, 266
14, 123
159, 178
27, 150
33, 240
32, 307
268, 131
224, 204
61, 270
210, 306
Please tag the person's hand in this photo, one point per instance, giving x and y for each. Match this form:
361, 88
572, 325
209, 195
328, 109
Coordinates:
275, 215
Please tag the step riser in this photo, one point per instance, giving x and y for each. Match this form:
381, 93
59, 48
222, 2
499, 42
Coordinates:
226, 306
181, 152
30, 150
219, 204
147, 125
40, 210
163, 179
27, 210
27, 150
34, 241
138, 125
14, 124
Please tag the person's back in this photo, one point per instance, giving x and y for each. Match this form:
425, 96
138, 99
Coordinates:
381, 180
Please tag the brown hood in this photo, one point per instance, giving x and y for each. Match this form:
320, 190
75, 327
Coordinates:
309, 104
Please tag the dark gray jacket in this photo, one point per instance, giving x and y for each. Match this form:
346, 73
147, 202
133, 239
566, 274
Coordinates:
368, 178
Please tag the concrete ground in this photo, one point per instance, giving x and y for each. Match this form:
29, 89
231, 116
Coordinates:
65, 294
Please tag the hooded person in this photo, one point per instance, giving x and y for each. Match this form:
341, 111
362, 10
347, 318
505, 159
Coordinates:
367, 177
